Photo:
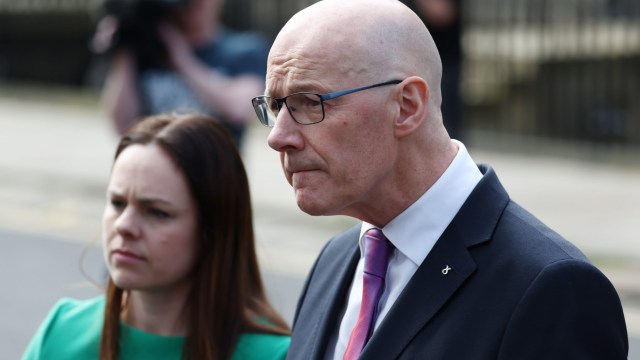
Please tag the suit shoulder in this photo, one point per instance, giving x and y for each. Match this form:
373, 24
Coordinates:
519, 229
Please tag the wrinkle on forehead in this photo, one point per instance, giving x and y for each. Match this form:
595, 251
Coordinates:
307, 67
292, 63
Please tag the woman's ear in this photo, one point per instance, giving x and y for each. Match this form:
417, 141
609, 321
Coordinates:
413, 99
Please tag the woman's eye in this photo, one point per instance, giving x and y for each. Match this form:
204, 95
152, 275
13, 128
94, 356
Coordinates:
158, 214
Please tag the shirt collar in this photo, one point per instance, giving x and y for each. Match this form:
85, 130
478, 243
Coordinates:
415, 231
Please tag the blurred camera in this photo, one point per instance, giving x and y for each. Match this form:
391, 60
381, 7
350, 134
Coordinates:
136, 24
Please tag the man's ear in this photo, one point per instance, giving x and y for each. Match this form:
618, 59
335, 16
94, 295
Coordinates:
413, 99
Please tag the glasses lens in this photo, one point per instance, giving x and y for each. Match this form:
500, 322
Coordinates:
305, 108
266, 109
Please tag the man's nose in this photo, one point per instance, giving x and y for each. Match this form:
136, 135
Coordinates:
285, 134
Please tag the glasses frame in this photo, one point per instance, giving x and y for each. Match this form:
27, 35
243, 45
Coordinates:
263, 99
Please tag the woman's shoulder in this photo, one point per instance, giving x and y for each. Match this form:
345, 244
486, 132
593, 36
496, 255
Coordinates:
70, 313
71, 327
261, 346
69, 309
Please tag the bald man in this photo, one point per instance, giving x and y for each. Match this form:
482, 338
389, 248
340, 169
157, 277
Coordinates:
453, 269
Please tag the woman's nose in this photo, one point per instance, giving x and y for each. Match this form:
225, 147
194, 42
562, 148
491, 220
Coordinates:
127, 224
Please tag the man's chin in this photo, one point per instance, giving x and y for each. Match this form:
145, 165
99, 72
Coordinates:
311, 206
311, 210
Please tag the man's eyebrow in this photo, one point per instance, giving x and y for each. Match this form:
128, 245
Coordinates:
315, 88
305, 87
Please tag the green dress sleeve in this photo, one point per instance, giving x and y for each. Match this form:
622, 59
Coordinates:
70, 331
34, 349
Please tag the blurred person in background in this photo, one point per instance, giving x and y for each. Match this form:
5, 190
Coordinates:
176, 55
443, 265
178, 241
443, 18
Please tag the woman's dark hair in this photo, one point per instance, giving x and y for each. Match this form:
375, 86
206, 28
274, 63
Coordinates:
227, 298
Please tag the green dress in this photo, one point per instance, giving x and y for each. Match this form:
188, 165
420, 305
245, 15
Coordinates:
73, 328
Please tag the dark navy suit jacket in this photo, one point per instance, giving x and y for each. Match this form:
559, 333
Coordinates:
516, 290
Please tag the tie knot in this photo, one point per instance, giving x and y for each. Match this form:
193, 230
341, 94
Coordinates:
376, 253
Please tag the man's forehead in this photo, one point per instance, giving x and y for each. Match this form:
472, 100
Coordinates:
297, 72
283, 86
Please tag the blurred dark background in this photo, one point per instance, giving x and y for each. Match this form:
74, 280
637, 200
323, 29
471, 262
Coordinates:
537, 74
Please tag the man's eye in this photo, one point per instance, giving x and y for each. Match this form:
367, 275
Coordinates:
118, 204
303, 102
307, 101
310, 101
274, 106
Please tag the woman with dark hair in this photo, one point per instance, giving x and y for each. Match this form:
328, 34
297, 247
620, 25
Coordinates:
178, 242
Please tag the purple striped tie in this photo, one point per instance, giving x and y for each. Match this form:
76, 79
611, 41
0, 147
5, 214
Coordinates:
376, 257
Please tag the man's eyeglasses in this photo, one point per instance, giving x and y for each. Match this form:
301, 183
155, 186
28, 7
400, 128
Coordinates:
306, 108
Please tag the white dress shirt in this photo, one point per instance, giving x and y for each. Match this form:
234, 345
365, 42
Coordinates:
413, 233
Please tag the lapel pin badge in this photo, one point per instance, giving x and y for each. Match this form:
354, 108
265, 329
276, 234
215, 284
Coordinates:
446, 270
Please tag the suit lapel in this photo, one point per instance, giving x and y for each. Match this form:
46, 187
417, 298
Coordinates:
427, 291
331, 289
432, 285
